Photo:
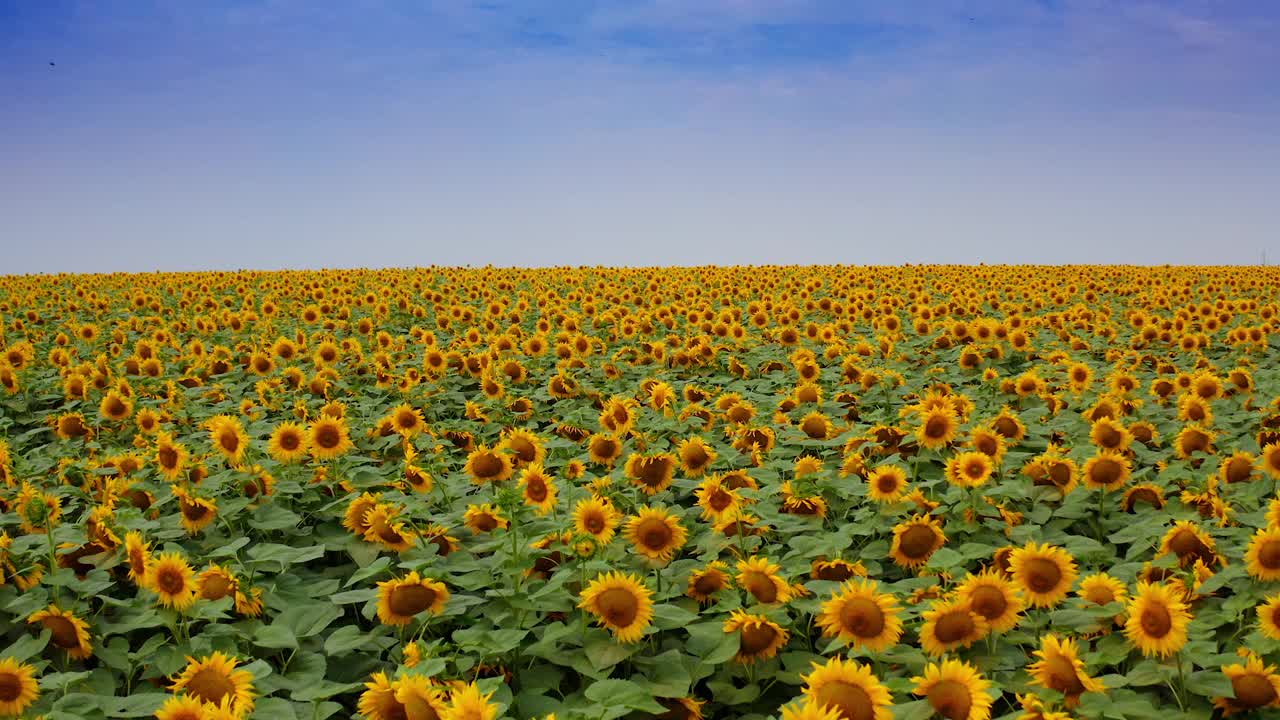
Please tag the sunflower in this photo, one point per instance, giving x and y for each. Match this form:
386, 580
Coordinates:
1109, 434
1262, 557
995, 598
951, 624
1193, 439
228, 437
861, 616
621, 603
597, 518
173, 580
484, 518
988, 442
695, 456
810, 709
1044, 572
1157, 619
196, 513
486, 465
836, 570
705, 583
1186, 540
1239, 467
938, 426
1271, 460
759, 576
400, 599
955, 690
1269, 617
288, 443
214, 680
385, 529
66, 631
1060, 669
850, 688
651, 473
183, 707
1148, 493
539, 488
216, 582
406, 420
69, 426
916, 540
171, 457
328, 437
604, 449
139, 556
420, 697
1254, 684
1010, 426
969, 469
525, 447
656, 534
115, 406
759, 638
715, 498
18, 687
357, 510
1107, 470
468, 703
887, 483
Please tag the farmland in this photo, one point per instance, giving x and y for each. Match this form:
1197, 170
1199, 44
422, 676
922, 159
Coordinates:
807, 493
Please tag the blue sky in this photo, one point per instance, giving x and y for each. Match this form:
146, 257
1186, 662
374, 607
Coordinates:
291, 133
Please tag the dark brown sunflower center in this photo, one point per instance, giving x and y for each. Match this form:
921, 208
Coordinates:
1109, 437
289, 441
1269, 555
210, 685
194, 511
1099, 595
1185, 542
653, 471
1043, 575
887, 483
917, 541
215, 587
170, 581
936, 427
1195, 441
862, 617
1062, 676
618, 606
950, 699
760, 586
1156, 621
954, 626
975, 469
168, 457
988, 602
719, 500
707, 584
536, 489
695, 456
1106, 471
488, 465
836, 572
655, 535
229, 441
10, 687
1253, 690
63, 632
484, 522
328, 437
408, 600
594, 523
815, 427
523, 449
1239, 470
756, 638
853, 702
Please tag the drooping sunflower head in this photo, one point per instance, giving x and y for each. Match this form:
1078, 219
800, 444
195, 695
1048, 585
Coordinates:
1190, 543
760, 577
759, 638
1060, 668
400, 600
65, 631
1254, 684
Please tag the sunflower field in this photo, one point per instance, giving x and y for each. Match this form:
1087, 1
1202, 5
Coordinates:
807, 493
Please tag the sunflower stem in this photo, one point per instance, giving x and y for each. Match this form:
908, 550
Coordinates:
1182, 682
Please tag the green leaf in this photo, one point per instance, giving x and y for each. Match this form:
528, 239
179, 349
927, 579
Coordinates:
623, 693
1210, 683
26, 646
275, 637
